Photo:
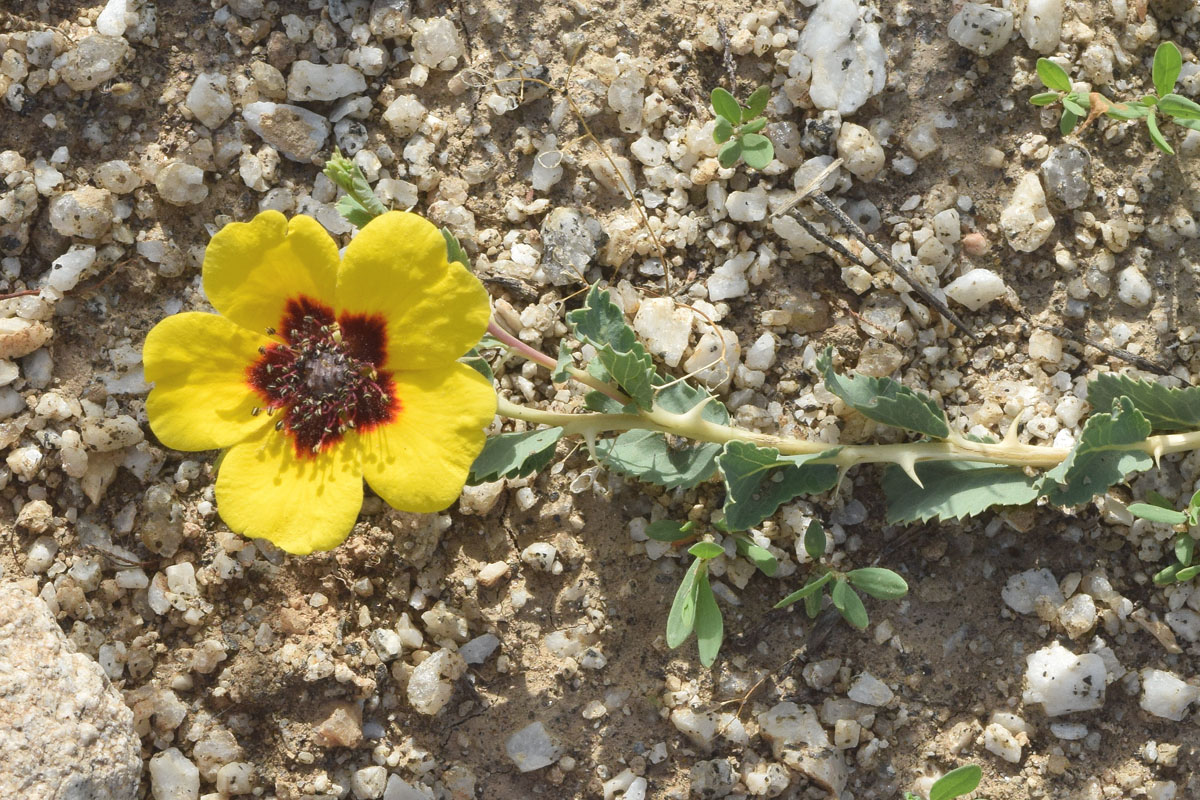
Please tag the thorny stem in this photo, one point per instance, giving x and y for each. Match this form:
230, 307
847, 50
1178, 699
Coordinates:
541, 359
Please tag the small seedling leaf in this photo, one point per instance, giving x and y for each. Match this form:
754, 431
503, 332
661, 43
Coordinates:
515, 455
756, 103
359, 205
1053, 76
722, 131
880, 583
1166, 576
1167, 63
956, 783
561, 373
1067, 121
1179, 107
814, 540
1185, 575
1167, 410
1185, 549
1072, 103
1156, 499
1130, 110
1192, 124
753, 126
706, 550
885, 400
757, 150
730, 152
847, 601
758, 481
1153, 513
812, 604
810, 588
758, 555
954, 490
667, 530
1102, 456
475, 360
1045, 98
601, 323
1193, 509
725, 106
1156, 136
710, 628
682, 617
454, 250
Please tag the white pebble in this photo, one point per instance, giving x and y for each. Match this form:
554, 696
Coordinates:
1063, 682
1133, 289
976, 289
1166, 695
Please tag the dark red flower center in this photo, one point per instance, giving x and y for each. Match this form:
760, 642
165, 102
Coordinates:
326, 377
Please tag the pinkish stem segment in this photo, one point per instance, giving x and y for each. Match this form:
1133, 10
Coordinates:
540, 358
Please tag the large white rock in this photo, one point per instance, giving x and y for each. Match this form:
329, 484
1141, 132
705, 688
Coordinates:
1064, 682
1041, 25
840, 54
1026, 220
209, 99
798, 740
295, 132
323, 82
665, 327
976, 289
531, 748
1022, 591
1165, 695
981, 29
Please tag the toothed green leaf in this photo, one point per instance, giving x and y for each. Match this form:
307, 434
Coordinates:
515, 455
1102, 457
1167, 410
885, 400
759, 480
954, 490
454, 250
601, 323
359, 205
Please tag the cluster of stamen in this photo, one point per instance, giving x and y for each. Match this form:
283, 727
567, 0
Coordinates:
325, 378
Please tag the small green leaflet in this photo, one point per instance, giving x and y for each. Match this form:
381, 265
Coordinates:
725, 106
810, 588
475, 360
756, 103
652, 457
1179, 107
1156, 136
1067, 122
1153, 513
1167, 410
1185, 549
560, 373
666, 530
682, 617
710, 628
515, 455
954, 490
601, 323
722, 131
880, 583
706, 550
454, 250
1168, 62
1102, 457
885, 400
757, 555
1044, 98
814, 540
1053, 76
956, 783
1072, 103
1129, 110
847, 601
759, 480
359, 205
757, 150
730, 152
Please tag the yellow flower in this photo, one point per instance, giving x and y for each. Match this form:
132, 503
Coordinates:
320, 371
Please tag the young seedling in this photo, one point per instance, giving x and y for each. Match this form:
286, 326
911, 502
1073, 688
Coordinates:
880, 583
1159, 510
954, 783
738, 126
1081, 106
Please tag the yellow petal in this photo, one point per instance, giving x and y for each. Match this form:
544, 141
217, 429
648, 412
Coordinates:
201, 398
396, 268
265, 491
420, 461
251, 269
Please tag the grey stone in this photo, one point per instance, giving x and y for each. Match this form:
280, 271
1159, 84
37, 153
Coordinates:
1067, 173
532, 748
295, 132
65, 732
568, 245
97, 59
981, 29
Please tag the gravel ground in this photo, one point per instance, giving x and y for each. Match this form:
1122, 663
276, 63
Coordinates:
513, 645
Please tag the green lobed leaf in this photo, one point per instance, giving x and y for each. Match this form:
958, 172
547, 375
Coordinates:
475, 360
757, 150
758, 480
668, 530
710, 628
1156, 136
1053, 76
880, 583
956, 783
1045, 98
1167, 410
655, 458
810, 588
682, 617
814, 540
759, 556
954, 490
1179, 107
730, 152
1102, 456
722, 131
724, 105
1153, 513
1067, 122
756, 103
706, 550
1168, 61
454, 250
885, 400
515, 455
601, 323
847, 601
359, 205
